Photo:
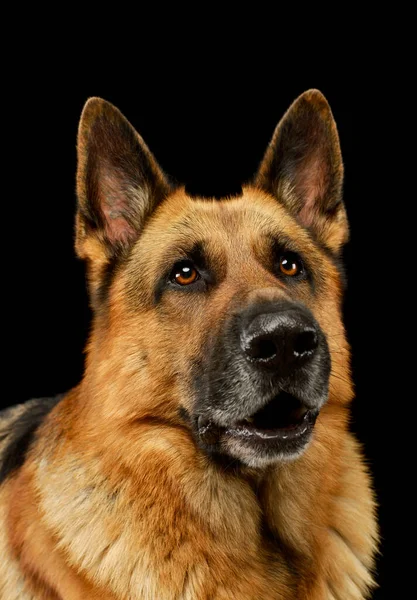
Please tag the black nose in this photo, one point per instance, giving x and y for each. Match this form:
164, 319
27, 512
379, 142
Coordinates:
281, 340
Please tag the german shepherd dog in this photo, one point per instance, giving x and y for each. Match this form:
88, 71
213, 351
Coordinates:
206, 453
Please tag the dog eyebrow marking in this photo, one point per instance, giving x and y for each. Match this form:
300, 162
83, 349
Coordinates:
198, 254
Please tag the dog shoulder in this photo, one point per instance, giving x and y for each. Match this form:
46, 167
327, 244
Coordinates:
18, 426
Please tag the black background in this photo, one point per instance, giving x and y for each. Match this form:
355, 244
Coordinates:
209, 130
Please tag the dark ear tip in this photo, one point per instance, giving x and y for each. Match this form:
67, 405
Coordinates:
94, 108
314, 99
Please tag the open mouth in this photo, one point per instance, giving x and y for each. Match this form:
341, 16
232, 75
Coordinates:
283, 422
283, 417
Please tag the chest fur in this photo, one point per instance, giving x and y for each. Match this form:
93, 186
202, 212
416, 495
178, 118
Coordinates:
195, 533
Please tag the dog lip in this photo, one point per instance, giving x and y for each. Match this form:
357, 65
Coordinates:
302, 424
208, 431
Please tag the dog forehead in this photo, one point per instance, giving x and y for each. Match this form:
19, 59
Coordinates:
254, 211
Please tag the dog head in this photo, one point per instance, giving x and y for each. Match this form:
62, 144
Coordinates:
220, 317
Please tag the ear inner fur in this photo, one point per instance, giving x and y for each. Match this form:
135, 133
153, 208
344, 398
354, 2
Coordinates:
119, 184
302, 167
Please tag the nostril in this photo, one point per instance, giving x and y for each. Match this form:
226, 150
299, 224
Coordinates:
305, 343
261, 349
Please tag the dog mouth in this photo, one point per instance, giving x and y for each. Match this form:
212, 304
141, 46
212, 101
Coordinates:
284, 417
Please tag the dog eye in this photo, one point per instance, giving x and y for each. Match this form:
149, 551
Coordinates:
290, 264
184, 273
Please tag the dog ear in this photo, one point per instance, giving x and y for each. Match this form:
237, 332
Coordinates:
302, 167
119, 184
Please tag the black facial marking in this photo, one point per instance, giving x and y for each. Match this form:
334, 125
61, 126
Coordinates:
197, 254
284, 388
23, 432
107, 278
184, 415
335, 258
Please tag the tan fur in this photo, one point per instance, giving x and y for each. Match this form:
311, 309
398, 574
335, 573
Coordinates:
115, 500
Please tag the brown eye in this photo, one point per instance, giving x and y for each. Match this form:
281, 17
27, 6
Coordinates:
290, 264
184, 273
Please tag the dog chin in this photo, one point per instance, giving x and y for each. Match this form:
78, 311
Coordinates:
278, 432
258, 458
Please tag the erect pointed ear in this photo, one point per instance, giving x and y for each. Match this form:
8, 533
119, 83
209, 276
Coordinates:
119, 184
303, 169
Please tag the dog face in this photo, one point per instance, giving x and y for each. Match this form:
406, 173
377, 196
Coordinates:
221, 317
